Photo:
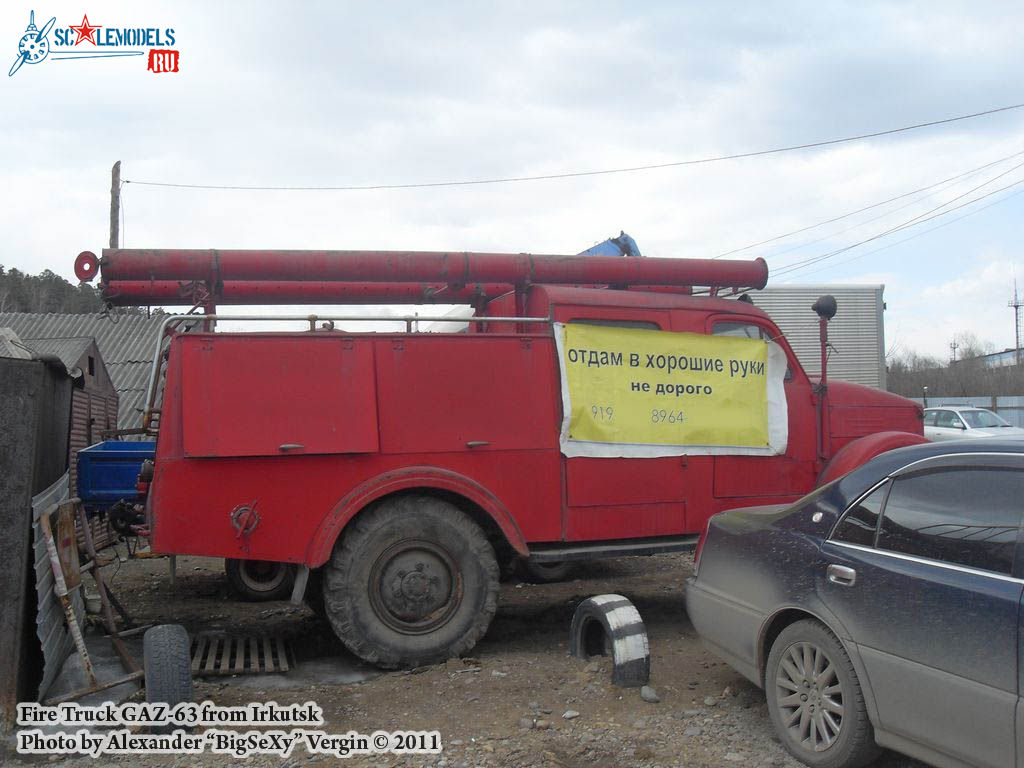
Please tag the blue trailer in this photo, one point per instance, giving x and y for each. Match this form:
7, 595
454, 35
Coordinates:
107, 475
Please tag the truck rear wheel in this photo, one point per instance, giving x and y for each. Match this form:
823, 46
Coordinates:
412, 581
260, 580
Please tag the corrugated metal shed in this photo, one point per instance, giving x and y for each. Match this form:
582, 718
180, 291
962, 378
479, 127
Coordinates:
11, 346
126, 347
857, 331
69, 350
94, 399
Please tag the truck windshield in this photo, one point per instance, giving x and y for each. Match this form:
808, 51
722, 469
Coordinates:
982, 419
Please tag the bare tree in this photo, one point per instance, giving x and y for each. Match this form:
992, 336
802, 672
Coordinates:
970, 375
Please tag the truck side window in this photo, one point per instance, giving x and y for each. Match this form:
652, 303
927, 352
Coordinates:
930, 418
860, 521
643, 324
741, 330
744, 331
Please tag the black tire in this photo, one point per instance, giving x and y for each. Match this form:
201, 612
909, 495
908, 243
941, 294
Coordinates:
412, 581
257, 581
546, 573
818, 712
610, 625
166, 660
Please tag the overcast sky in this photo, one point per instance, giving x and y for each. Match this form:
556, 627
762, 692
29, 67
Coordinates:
377, 93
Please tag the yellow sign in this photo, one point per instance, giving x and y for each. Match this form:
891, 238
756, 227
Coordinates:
625, 386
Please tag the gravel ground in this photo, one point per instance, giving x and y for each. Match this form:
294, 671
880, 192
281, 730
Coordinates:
520, 701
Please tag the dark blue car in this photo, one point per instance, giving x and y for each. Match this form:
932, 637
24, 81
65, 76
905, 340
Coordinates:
882, 609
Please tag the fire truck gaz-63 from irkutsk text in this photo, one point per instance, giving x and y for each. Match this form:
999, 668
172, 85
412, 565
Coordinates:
397, 470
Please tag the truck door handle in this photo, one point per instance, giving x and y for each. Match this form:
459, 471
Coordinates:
290, 447
840, 574
477, 443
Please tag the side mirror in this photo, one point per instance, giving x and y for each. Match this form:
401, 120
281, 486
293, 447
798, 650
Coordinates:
825, 307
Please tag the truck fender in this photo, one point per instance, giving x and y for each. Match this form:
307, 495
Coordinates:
409, 478
862, 450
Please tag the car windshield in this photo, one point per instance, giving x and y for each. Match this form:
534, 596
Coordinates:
982, 419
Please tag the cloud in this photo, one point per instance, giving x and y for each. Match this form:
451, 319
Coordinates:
325, 93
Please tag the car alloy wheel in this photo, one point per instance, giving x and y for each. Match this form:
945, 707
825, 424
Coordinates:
810, 696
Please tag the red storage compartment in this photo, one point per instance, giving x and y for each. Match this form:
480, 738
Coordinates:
278, 395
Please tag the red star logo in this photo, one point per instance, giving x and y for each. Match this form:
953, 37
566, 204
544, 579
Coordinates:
85, 32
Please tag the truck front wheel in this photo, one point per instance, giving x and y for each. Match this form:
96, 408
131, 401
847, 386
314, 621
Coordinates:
412, 581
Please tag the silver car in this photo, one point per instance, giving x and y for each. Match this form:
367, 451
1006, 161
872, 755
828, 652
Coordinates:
957, 422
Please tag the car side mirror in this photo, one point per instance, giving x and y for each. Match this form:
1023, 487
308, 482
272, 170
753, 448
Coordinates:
961, 426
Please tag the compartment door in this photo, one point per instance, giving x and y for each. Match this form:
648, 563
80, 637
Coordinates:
278, 395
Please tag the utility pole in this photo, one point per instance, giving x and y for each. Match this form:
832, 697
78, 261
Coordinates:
1016, 303
115, 204
954, 346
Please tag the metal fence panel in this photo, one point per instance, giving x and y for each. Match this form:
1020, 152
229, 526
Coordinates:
53, 633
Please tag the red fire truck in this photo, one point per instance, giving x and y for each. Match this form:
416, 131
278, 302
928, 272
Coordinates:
397, 470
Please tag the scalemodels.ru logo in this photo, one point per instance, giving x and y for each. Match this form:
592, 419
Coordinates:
61, 43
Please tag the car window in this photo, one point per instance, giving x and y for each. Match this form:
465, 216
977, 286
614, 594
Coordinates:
741, 330
930, 418
948, 419
982, 419
961, 516
860, 521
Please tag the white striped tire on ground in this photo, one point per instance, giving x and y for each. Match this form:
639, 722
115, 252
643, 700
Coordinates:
611, 625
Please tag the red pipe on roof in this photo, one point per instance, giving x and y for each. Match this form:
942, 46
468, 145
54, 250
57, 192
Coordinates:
171, 292
457, 268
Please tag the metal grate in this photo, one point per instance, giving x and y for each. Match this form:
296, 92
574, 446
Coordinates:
219, 655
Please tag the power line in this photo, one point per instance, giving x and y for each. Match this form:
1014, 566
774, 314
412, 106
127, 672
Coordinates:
912, 237
919, 219
862, 210
797, 266
577, 174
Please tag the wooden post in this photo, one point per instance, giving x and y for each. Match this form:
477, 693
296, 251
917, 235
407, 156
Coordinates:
126, 659
115, 204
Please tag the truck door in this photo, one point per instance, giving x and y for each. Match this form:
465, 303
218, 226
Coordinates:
616, 498
794, 473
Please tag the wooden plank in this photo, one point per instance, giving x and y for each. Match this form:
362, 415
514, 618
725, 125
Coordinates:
282, 655
95, 689
211, 656
197, 657
269, 657
239, 655
223, 667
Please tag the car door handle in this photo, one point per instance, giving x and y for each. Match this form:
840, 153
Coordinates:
841, 574
290, 447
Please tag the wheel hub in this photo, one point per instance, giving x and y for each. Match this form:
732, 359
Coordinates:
415, 586
261, 575
809, 696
